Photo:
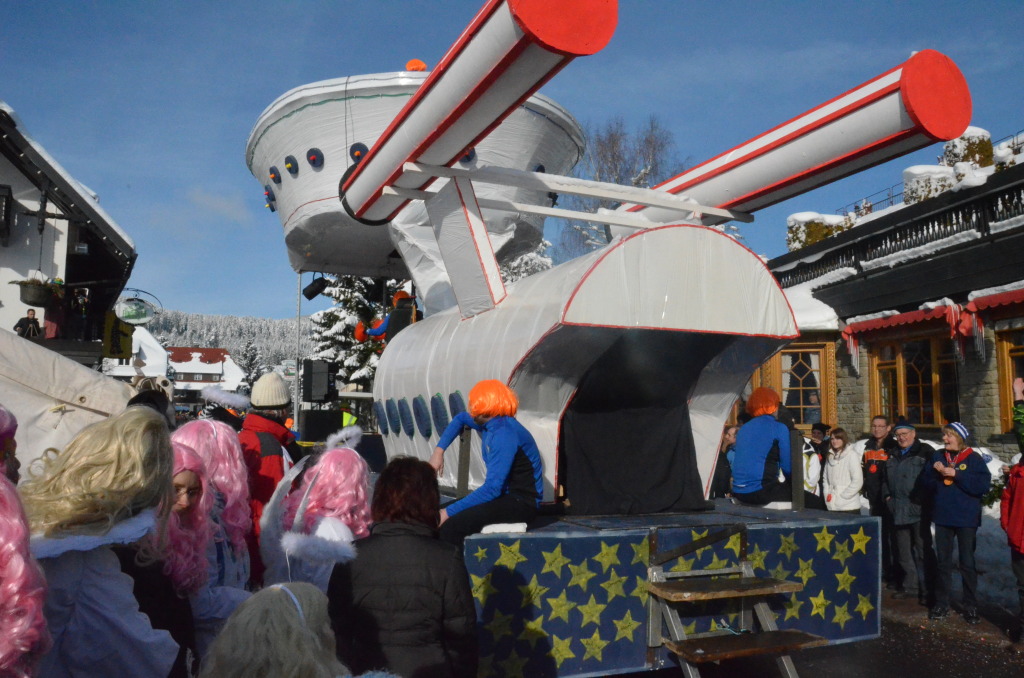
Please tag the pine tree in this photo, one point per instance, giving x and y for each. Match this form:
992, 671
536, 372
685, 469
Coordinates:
251, 362
333, 329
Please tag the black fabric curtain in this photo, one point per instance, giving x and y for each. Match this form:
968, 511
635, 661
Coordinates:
625, 439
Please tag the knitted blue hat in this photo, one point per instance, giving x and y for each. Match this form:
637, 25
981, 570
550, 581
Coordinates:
960, 429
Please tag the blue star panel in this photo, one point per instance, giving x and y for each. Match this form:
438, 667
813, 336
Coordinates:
569, 599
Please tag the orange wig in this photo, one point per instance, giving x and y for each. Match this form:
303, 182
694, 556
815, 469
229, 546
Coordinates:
762, 401
492, 398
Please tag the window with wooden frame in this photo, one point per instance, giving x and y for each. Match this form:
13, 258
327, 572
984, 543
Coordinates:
804, 377
1010, 363
914, 378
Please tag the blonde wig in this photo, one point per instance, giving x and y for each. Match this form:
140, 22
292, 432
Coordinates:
110, 471
282, 631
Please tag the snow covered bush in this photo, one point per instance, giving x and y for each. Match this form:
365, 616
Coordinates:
807, 228
974, 145
921, 182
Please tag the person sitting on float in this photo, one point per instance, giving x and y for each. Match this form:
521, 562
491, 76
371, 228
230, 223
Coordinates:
379, 330
762, 450
513, 484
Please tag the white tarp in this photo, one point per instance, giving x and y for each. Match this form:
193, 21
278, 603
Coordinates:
53, 397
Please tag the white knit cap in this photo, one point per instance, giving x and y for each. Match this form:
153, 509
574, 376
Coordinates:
270, 391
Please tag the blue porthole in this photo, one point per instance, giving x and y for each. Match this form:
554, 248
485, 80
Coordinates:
439, 412
292, 165
456, 404
422, 416
393, 423
357, 151
405, 416
382, 417
315, 157
275, 175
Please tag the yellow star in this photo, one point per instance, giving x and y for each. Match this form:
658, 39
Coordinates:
560, 650
500, 625
510, 556
591, 612
682, 565
641, 590
824, 539
842, 551
819, 604
614, 585
805, 572
513, 665
756, 557
533, 631
485, 669
780, 572
841, 615
532, 593
716, 563
845, 580
641, 552
554, 561
560, 607
595, 646
860, 541
608, 556
482, 587
734, 544
625, 626
691, 628
864, 606
580, 575
793, 607
480, 554
788, 547
699, 535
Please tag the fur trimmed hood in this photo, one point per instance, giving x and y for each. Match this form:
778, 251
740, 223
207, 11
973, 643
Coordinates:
127, 531
213, 394
331, 542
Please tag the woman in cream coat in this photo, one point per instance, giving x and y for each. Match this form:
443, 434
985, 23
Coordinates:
843, 476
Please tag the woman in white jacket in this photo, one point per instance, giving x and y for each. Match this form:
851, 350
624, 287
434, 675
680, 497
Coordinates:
843, 475
103, 489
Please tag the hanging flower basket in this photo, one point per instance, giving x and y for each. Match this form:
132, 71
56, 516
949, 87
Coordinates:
36, 292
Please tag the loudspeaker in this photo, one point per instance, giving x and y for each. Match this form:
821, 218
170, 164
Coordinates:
317, 380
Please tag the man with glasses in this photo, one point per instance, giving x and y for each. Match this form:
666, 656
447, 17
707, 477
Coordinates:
877, 449
912, 536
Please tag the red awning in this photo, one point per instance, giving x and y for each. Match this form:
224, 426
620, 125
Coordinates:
908, 318
994, 300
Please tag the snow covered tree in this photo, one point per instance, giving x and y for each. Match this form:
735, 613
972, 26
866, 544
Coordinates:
333, 330
641, 158
250, 361
527, 264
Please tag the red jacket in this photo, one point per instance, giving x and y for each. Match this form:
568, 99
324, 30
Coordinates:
266, 468
1012, 508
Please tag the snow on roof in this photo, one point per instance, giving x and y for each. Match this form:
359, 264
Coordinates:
810, 313
193, 359
84, 195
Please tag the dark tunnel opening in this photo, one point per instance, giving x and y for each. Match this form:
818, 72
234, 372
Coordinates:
625, 441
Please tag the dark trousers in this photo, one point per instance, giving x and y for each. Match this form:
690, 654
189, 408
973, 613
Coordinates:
1017, 564
766, 495
504, 509
966, 540
910, 545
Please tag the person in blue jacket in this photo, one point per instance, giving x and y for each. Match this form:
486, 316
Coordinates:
956, 479
513, 484
762, 450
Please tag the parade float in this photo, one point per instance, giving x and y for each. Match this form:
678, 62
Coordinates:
627, 361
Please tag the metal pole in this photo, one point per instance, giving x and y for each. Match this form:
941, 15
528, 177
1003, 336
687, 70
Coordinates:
298, 349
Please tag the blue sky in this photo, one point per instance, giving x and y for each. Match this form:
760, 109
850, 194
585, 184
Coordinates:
150, 104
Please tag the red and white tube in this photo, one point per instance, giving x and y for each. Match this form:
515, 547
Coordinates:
510, 49
921, 101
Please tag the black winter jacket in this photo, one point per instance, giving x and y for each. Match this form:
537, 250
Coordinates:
900, 489
404, 605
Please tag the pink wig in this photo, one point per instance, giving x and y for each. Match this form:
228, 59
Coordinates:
217, 444
340, 489
8, 427
22, 591
188, 535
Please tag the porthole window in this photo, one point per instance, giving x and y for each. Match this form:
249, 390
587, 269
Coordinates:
405, 416
456, 403
422, 416
393, 423
439, 412
382, 417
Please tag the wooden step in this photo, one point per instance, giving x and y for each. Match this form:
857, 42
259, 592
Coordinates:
689, 590
730, 646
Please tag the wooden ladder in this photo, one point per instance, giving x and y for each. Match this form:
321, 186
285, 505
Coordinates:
670, 591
